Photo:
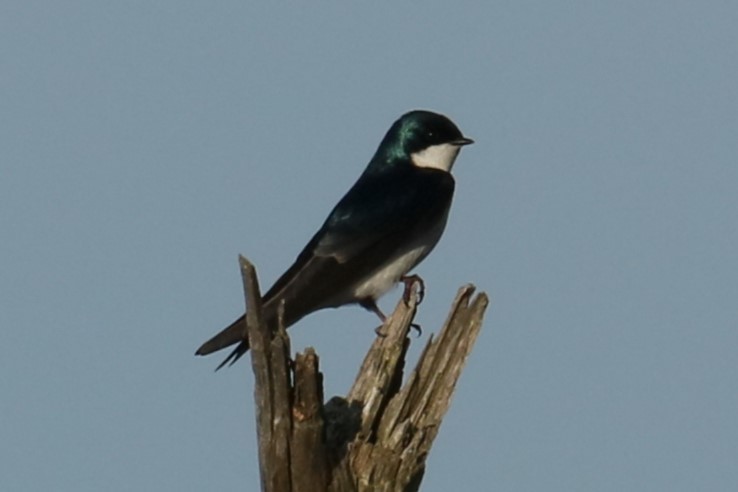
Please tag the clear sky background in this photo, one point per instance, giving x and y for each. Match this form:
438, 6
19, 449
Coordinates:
145, 144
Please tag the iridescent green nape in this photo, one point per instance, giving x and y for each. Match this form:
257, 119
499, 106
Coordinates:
406, 132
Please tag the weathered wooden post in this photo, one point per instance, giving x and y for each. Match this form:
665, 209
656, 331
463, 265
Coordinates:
379, 436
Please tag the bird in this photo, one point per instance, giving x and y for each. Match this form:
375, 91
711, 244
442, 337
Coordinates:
387, 223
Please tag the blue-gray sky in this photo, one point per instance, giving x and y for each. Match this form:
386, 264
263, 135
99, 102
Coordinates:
145, 145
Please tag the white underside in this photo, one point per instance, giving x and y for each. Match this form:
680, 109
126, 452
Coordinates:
386, 277
383, 280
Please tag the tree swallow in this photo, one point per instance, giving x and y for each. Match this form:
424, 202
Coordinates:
385, 225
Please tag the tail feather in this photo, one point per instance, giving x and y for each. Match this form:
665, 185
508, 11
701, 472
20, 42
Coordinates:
234, 333
237, 333
236, 354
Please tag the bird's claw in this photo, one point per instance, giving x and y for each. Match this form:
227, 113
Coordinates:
414, 326
409, 280
379, 332
417, 328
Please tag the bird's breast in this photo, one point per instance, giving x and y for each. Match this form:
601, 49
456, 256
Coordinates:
386, 275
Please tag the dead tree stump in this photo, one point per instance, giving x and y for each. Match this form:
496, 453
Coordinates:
379, 436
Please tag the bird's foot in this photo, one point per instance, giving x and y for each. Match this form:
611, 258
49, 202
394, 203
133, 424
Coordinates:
417, 328
371, 305
379, 332
409, 280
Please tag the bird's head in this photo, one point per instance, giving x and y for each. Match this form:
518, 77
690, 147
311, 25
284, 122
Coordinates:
423, 138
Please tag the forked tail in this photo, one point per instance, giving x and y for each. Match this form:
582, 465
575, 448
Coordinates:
234, 333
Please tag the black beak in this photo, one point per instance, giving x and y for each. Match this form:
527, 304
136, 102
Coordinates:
463, 141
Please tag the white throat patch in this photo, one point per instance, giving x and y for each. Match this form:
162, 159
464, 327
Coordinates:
441, 156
